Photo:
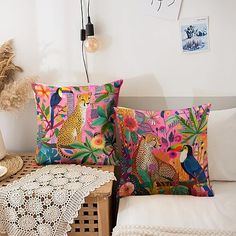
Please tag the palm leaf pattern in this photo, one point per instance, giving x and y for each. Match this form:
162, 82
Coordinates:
86, 151
195, 125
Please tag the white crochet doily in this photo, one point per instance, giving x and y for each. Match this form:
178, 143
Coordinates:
45, 202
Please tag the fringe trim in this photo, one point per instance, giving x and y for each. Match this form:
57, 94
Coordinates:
139, 230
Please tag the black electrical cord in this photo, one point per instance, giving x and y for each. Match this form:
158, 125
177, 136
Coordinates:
88, 8
82, 14
83, 37
84, 62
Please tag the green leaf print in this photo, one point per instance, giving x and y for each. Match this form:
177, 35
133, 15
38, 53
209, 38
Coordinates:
108, 127
134, 137
77, 88
147, 182
101, 112
43, 107
102, 97
128, 135
180, 190
56, 132
80, 146
47, 111
86, 151
193, 119
109, 88
193, 126
100, 121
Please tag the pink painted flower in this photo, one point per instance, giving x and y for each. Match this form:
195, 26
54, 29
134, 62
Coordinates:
178, 138
198, 191
42, 90
126, 189
130, 123
152, 117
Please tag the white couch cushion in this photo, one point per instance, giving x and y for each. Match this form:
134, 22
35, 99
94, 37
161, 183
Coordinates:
217, 213
222, 145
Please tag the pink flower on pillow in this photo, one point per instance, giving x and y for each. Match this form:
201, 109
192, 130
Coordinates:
126, 189
130, 123
42, 90
198, 191
152, 117
178, 138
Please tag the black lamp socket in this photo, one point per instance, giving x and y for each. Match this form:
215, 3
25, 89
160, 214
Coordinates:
89, 28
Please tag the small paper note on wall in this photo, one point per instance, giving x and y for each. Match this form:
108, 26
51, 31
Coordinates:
165, 9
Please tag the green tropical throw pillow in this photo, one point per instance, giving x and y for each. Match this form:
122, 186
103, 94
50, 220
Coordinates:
76, 124
164, 152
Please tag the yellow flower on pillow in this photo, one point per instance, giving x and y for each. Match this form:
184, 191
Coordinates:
98, 141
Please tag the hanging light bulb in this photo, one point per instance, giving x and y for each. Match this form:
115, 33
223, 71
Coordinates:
91, 44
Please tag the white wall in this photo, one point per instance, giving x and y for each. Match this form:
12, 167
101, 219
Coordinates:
140, 48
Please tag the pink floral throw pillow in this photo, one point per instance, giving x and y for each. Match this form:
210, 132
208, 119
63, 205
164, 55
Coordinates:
164, 152
76, 124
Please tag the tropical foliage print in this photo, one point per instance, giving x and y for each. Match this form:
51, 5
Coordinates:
164, 152
76, 124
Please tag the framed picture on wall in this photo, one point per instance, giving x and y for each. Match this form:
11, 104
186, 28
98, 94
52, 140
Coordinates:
194, 34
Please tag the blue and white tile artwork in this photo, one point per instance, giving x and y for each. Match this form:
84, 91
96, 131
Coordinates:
194, 34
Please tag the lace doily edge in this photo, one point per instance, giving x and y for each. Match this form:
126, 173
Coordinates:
3, 189
78, 199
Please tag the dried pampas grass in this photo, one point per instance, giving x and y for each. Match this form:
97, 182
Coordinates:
14, 93
7, 68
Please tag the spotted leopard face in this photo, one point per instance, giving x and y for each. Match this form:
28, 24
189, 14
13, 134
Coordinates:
152, 140
84, 98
